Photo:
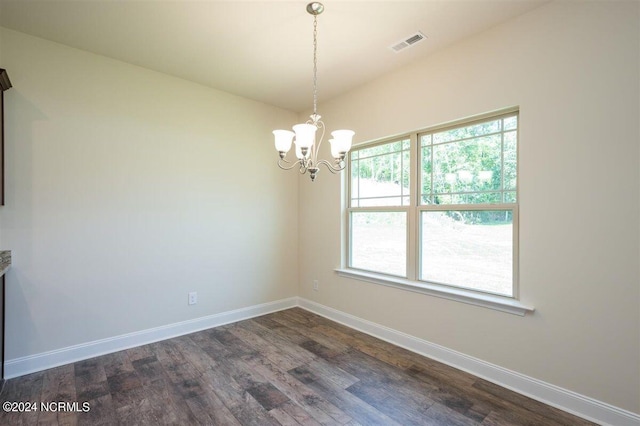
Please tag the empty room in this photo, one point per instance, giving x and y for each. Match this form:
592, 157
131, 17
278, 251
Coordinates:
337, 213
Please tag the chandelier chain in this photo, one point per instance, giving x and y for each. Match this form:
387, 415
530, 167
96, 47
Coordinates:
315, 63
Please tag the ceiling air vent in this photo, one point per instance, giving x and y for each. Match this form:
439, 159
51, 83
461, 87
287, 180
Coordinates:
407, 42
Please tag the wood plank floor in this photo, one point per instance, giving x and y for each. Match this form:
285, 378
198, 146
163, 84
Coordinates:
287, 368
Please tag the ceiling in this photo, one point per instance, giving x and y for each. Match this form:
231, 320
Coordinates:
260, 50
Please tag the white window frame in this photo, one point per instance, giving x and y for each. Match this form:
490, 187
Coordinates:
413, 211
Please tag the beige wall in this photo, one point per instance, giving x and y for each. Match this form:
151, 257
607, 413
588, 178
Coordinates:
126, 189
573, 68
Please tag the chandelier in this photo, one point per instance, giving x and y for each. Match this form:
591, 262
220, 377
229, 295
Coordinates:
305, 134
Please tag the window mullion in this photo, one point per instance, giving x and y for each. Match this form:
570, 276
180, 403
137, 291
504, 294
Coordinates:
502, 160
412, 219
345, 258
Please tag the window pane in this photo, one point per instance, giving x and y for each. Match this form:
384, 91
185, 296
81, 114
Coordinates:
379, 242
380, 149
381, 175
467, 132
510, 197
510, 160
355, 172
425, 140
404, 178
426, 170
470, 249
469, 165
511, 123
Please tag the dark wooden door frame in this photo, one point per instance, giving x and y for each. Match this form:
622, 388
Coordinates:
5, 84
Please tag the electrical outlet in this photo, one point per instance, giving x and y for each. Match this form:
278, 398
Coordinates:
193, 298
316, 286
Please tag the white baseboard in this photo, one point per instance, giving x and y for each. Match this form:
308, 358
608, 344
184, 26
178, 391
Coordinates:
42, 361
566, 400
555, 396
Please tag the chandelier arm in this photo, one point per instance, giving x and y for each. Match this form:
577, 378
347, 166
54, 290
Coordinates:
333, 169
283, 167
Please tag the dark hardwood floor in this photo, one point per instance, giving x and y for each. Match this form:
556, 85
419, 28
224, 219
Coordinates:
290, 367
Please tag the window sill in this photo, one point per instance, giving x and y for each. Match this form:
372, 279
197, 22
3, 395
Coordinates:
497, 303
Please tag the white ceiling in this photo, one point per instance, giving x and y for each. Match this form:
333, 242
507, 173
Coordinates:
261, 50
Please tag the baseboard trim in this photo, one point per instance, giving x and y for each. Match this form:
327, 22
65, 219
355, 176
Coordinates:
42, 361
566, 400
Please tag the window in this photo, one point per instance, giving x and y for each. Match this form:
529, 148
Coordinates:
439, 206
